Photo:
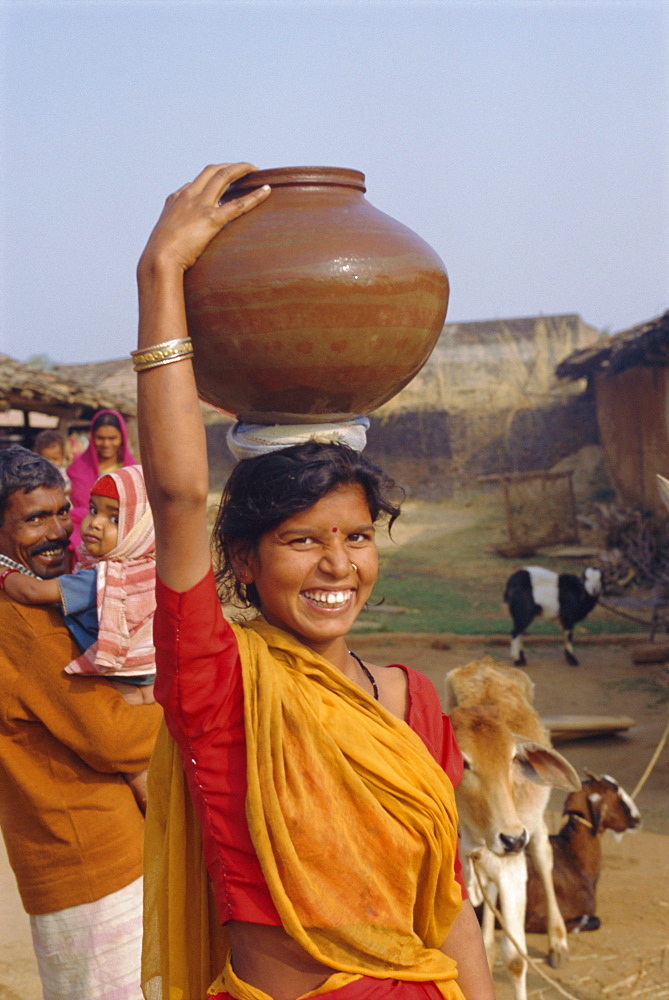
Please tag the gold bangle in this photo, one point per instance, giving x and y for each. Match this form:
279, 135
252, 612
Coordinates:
168, 349
144, 366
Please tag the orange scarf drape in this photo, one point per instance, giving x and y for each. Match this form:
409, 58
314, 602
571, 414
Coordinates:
353, 821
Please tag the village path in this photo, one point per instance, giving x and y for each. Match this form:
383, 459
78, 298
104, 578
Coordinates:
18, 969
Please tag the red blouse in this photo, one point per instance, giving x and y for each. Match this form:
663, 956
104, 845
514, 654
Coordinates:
199, 685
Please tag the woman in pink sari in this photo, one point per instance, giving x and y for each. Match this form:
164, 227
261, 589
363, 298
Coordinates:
107, 451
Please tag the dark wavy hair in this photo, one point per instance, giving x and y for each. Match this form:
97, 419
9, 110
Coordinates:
21, 469
264, 491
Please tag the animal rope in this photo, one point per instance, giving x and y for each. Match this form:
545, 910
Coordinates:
652, 762
521, 951
624, 614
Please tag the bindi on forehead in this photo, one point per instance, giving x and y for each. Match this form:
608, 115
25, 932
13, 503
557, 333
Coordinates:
335, 530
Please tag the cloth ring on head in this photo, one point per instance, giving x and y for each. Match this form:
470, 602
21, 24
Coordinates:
249, 440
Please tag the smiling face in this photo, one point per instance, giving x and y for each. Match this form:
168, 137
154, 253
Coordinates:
107, 441
316, 570
36, 529
99, 528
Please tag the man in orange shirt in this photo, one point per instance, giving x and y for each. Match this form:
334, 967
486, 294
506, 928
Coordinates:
73, 830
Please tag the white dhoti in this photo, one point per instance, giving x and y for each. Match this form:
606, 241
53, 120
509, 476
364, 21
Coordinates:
92, 951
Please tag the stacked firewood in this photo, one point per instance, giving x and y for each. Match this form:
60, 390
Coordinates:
635, 546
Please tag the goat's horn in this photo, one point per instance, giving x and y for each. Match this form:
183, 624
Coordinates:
590, 774
663, 487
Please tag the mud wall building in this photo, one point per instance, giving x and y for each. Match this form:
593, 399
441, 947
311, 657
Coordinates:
488, 401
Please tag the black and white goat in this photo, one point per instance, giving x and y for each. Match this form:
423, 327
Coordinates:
564, 597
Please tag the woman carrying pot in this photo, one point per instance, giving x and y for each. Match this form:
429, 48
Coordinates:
302, 832
107, 451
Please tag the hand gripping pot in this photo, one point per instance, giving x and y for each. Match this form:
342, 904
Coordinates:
315, 304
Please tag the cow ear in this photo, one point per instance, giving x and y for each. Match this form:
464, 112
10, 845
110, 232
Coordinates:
545, 766
450, 697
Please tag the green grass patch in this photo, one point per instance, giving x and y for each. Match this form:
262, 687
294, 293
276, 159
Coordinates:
453, 580
435, 605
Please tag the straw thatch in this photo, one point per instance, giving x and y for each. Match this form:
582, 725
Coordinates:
115, 379
644, 345
23, 387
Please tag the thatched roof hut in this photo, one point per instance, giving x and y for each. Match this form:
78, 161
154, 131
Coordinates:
115, 378
645, 345
118, 379
31, 399
629, 375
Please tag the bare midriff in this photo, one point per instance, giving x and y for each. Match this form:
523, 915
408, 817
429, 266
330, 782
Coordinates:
269, 959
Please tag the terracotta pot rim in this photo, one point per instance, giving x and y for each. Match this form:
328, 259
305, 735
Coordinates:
294, 176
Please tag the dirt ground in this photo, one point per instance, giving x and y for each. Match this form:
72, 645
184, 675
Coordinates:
629, 955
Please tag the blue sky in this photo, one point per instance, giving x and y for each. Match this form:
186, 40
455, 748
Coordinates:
528, 142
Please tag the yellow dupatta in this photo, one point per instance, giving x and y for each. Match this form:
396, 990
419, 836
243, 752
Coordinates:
353, 822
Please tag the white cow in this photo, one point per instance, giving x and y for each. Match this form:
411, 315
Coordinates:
509, 768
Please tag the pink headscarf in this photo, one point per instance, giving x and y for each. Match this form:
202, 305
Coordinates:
126, 583
84, 472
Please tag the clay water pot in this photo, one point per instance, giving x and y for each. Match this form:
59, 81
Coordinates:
314, 305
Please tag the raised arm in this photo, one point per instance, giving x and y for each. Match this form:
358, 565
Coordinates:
171, 431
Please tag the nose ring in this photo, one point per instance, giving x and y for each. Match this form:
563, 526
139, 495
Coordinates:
354, 567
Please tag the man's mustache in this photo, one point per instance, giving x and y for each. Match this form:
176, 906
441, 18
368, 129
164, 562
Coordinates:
49, 546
